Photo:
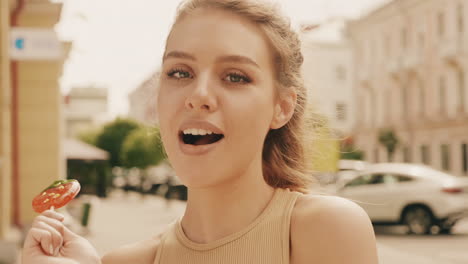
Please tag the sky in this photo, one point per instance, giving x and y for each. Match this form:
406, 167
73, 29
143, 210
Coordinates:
119, 43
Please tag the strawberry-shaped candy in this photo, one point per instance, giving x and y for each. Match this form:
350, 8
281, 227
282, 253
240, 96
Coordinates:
58, 194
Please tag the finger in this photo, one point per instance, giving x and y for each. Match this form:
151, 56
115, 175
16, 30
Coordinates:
39, 237
50, 221
56, 237
53, 214
68, 235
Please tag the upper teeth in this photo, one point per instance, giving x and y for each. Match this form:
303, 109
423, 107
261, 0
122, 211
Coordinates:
195, 131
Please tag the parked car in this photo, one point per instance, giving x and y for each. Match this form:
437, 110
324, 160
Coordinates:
417, 196
353, 165
348, 169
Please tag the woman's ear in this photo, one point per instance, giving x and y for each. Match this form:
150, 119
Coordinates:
284, 108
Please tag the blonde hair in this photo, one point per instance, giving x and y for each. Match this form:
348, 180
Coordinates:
285, 163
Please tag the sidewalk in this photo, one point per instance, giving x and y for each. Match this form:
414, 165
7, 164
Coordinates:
125, 218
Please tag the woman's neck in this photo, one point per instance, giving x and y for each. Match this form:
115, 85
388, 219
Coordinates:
214, 213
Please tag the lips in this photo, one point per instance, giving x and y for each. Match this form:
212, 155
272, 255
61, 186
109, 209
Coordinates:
199, 144
200, 124
200, 139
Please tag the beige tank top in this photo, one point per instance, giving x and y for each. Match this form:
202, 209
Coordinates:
264, 241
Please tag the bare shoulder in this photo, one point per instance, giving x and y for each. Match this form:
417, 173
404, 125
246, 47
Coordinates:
331, 229
143, 252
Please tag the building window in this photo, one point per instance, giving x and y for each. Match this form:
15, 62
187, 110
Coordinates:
461, 19
387, 44
441, 24
422, 100
340, 73
442, 97
341, 111
445, 156
362, 109
425, 155
421, 40
461, 90
404, 101
407, 154
465, 158
404, 38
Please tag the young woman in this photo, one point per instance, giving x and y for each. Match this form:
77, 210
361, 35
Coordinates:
232, 111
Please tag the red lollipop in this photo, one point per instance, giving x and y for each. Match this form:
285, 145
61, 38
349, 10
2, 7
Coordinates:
57, 195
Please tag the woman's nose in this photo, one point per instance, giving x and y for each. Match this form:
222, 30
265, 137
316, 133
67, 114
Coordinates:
202, 97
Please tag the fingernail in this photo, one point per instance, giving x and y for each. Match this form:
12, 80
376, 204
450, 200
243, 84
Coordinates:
51, 250
56, 251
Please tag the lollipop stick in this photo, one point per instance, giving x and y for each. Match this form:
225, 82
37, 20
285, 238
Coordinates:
58, 249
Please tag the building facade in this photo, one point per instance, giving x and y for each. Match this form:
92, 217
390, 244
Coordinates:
327, 73
143, 101
411, 76
30, 128
85, 109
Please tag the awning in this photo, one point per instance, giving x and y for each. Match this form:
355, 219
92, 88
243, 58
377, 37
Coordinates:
78, 150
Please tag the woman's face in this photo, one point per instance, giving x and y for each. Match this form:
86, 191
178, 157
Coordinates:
217, 75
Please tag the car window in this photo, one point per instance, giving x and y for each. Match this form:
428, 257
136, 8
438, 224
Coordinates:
376, 179
392, 178
365, 180
356, 182
402, 178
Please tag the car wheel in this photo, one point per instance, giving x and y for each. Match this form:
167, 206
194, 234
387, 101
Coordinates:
418, 219
447, 230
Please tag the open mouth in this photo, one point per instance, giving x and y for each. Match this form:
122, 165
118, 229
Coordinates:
199, 139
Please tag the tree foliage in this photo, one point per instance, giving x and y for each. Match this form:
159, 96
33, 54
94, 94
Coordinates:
90, 136
113, 136
349, 151
142, 148
389, 140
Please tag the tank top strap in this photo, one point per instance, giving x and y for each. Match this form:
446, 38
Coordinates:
289, 201
162, 242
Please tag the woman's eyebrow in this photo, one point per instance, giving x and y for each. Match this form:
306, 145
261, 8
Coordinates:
229, 58
179, 55
237, 59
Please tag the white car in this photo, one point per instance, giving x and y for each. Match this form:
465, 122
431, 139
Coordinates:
353, 165
348, 169
414, 195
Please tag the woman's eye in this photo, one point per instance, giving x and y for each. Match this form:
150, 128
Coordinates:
179, 74
236, 78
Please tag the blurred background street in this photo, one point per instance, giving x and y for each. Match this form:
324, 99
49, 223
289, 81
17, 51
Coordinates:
78, 83
125, 218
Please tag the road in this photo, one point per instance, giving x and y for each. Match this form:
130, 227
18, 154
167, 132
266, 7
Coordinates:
396, 247
124, 219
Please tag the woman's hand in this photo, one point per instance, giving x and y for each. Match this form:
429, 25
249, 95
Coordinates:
49, 241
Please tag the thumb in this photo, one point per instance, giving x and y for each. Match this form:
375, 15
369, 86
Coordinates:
68, 235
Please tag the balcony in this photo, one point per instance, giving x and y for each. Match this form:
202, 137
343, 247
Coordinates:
363, 74
411, 61
394, 66
452, 48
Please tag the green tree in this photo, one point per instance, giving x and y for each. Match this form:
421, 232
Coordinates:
349, 151
142, 148
112, 137
389, 140
90, 136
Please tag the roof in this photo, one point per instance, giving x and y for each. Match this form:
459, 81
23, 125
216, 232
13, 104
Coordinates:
416, 170
75, 149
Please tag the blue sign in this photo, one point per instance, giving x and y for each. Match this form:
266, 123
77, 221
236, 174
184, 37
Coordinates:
34, 44
19, 43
